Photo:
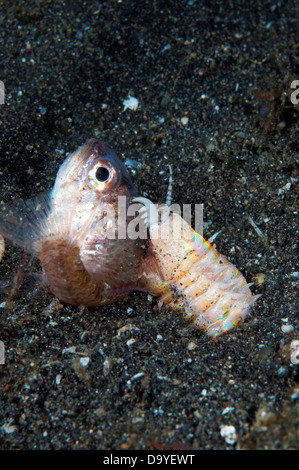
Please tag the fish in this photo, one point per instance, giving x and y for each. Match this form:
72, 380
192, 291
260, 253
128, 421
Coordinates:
74, 229
186, 272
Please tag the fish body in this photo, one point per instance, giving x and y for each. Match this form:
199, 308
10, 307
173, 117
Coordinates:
74, 230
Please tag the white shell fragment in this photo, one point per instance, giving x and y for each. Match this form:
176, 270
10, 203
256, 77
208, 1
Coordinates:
8, 427
130, 342
287, 329
228, 432
58, 379
130, 103
84, 361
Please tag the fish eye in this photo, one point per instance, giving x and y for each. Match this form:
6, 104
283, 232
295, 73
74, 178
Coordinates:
102, 174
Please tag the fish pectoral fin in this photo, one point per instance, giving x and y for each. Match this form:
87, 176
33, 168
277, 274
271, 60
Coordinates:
22, 221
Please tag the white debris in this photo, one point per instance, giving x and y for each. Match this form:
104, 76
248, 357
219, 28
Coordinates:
258, 231
165, 48
71, 350
287, 328
106, 367
287, 187
130, 103
130, 342
295, 274
294, 347
228, 432
126, 327
2, 246
184, 120
137, 376
228, 409
213, 237
9, 428
58, 379
133, 164
84, 361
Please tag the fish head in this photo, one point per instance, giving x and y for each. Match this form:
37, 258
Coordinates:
87, 191
78, 231
93, 174
82, 202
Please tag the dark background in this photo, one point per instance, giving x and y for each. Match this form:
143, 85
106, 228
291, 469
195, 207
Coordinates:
226, 66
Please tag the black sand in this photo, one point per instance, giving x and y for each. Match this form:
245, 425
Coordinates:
227, 67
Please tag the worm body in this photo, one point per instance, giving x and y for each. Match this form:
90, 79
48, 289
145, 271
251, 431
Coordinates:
186, 271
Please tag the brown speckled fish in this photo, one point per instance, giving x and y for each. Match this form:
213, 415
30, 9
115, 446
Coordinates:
75, 229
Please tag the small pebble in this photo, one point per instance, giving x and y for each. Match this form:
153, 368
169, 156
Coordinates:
287, 329
84, 361
106, 367
9, 428
259, 279
228, 409
130, 103
125, 328
2, 246
58, 379
228, 432
137, 376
